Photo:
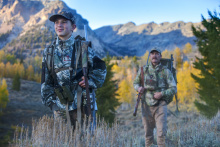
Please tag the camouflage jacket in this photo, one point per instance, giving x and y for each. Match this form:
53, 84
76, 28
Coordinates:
62, 59
156, 79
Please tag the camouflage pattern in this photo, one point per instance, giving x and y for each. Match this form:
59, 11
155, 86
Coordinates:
66, 14
156, 79
62, 59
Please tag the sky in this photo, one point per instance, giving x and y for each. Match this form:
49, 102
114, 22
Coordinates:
112, 12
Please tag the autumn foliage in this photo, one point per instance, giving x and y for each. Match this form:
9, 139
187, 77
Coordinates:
3, 94
29, 70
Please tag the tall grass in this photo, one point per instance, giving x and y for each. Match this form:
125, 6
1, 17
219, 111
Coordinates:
50, 133
194, 130
187, 130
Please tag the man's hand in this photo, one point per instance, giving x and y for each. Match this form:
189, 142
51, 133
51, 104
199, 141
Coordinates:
157, 95
141, 89
82, 83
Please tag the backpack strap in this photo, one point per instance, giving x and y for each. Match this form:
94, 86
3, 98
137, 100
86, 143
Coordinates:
49, 57
78, 52
72, 61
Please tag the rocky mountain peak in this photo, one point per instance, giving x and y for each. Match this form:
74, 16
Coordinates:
29, 18
129, 24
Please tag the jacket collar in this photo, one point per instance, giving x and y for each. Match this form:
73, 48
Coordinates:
157, 67
65, 43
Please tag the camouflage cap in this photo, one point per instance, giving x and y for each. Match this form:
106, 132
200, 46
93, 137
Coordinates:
65, 14
155, 49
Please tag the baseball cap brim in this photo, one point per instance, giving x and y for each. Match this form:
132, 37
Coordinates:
157, 50
54, 17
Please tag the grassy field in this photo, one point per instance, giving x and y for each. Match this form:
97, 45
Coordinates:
186, 129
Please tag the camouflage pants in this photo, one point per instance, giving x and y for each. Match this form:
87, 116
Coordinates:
60, 114
155, 116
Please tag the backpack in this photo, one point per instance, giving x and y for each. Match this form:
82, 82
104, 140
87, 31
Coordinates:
168, 63
97, 62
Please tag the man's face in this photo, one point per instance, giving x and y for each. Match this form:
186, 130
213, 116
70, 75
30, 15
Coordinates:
155, 57
63, 28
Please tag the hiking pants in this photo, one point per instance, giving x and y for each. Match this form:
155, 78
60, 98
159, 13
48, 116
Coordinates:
155, 116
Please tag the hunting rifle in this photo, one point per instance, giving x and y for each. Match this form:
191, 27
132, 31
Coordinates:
85, 45
142, 85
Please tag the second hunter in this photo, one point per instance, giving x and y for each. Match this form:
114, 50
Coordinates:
63, 82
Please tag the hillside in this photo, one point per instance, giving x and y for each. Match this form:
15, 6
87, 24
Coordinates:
25, 29
130, 39
23, 106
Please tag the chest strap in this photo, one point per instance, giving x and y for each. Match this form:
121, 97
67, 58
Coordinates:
61, 69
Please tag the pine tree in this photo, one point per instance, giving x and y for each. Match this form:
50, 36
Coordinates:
106, 95
208, 42
16, 84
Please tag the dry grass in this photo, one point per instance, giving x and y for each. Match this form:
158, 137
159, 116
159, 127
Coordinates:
189, 129
50, 133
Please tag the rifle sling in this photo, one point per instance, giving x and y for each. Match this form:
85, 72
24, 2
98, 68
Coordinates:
79, 52
142, 76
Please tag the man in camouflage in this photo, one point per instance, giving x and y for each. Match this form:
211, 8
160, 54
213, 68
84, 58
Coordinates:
159, 88
63, 48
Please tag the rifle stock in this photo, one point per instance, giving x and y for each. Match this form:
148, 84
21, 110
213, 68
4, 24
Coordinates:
137, 103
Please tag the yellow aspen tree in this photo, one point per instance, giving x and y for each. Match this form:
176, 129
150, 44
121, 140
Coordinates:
124, 94
2, 55
8, 70
21, 70
178, 57
187, 48
166, 54
30, 73
186, 87
2, 69
117, 72
3, 95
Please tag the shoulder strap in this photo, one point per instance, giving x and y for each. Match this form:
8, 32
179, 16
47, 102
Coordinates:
49, 57
72, 60
78, 52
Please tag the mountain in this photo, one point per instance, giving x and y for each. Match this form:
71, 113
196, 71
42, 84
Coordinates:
25, 29
130, 39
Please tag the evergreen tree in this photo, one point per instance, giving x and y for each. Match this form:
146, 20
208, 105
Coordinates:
208, 42
106, 95
16, 84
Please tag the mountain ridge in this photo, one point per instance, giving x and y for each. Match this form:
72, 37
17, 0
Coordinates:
132, 39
